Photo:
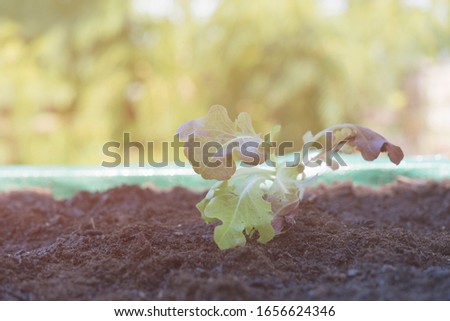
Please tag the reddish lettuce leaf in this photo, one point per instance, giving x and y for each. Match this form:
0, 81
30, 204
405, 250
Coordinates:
370, 144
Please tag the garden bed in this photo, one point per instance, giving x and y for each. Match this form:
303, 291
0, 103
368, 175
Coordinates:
132, 243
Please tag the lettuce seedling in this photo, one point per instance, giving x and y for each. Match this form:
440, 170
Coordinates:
255, 198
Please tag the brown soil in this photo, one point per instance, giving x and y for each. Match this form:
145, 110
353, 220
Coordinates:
130, 243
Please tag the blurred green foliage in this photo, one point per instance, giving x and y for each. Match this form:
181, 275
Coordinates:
76, 74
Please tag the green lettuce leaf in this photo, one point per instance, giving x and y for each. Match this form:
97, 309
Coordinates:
284, 196
240, 208
229, 136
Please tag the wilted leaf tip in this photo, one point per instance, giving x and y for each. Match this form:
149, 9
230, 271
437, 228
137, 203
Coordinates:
371, 144
394, 152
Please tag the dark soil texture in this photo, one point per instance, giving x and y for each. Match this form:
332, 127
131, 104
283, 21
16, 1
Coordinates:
132, 243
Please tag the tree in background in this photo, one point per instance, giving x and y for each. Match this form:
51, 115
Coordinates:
290, 63
75, 74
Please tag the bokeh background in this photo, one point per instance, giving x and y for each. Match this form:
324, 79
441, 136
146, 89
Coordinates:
75, 74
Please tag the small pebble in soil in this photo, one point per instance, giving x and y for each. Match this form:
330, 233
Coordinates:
352, 272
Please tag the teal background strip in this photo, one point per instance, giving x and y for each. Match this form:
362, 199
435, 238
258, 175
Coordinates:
64, 181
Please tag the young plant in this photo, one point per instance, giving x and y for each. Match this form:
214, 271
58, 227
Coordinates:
256, 198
